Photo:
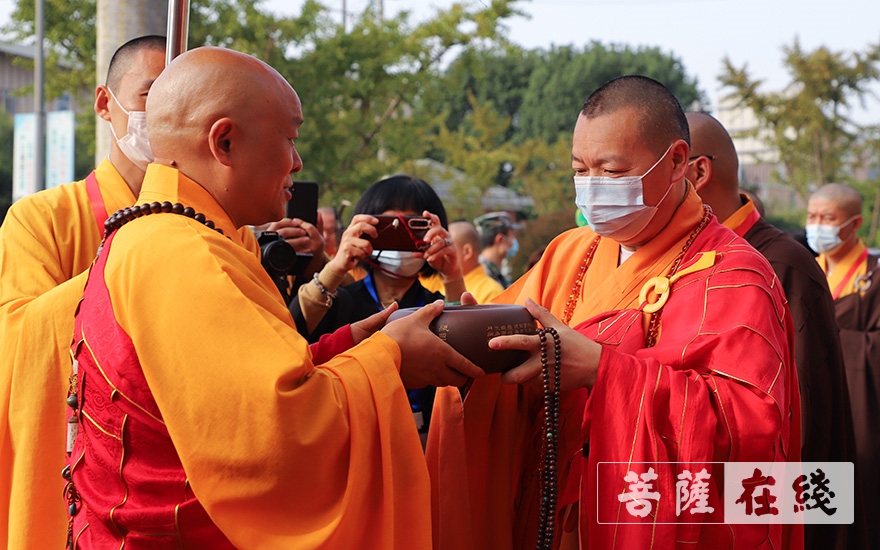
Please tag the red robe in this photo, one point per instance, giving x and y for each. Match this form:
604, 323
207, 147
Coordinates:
720, 385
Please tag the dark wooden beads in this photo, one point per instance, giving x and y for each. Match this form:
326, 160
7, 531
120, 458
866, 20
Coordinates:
125, 215
550, 439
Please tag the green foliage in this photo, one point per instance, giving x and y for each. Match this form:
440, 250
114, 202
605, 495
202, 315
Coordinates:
809, 123
69, 27
565, 76
360, 89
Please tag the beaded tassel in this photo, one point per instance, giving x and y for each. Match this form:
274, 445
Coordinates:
550, 441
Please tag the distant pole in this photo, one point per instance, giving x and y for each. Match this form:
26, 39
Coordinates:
39, 107
178, 29
344, 15
118, 22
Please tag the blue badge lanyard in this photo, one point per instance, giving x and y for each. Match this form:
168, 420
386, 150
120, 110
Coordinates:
371, 288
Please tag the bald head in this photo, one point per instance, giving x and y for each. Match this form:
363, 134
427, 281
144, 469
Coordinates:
842, 196
713, 165
467, 241
710, 139
228, 121
206, 84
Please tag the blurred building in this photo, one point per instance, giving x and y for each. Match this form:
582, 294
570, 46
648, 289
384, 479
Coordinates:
15, 80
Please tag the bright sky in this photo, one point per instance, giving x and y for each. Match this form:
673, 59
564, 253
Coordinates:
698, 32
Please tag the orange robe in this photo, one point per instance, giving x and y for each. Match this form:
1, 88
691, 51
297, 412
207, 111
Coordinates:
47, 241
720, 385
280, 453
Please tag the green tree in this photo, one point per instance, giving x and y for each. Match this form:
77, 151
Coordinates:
809, 123
565, 76
361, 91
495, 77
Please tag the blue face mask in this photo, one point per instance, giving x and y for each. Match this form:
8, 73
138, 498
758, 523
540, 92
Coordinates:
514, 248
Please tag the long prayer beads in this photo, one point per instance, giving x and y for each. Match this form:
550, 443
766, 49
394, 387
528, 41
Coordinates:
550, 439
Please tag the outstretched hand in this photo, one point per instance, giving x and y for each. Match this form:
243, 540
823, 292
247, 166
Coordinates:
365, 328
580, 355
426, 360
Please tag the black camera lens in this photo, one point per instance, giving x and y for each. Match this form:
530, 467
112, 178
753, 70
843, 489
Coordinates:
276, 254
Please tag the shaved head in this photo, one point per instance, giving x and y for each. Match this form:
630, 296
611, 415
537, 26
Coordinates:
465, 234
844, 197
203, 85
123, 58
710, 139
229, 122
661, 119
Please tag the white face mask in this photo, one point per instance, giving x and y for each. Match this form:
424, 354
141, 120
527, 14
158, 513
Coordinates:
135, 145
824, 238
401, 265
615, 207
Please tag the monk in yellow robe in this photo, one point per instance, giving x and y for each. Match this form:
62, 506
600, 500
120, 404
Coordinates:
202, 418
673, 351
47, 241
834, 216
466, 239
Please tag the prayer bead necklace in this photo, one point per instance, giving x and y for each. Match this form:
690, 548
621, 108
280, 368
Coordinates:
125, 215
654, 325
550, 439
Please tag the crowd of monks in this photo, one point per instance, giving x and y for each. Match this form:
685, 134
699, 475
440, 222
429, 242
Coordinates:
155, 391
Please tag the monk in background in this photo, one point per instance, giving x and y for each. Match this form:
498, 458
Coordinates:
826, 420
834, 216
47, 241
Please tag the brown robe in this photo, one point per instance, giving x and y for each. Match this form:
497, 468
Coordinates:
858, 316
826, 422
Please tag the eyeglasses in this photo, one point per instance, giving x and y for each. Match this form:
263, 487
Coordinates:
710, 157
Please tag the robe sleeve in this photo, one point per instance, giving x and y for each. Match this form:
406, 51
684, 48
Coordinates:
280, 453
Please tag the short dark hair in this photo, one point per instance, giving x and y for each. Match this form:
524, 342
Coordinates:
402, 192
660, 114
121, 59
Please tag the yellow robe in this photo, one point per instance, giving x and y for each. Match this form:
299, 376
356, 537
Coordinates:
842, 281
477, 282
47, 241
281, 453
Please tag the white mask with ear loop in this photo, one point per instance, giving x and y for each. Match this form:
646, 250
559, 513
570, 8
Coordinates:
135, 145
615, 207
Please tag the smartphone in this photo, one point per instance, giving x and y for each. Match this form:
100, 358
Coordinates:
304, 204
401, 233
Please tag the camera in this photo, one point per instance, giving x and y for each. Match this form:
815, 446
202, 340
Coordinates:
280, 260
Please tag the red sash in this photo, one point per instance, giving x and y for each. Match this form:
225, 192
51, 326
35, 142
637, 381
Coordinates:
97, 201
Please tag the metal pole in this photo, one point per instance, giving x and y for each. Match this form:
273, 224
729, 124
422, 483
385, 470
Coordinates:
178, 29
39, 107
344, 15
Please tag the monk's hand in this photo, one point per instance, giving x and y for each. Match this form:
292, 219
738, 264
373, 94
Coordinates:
365, 328
580, 355
426, 360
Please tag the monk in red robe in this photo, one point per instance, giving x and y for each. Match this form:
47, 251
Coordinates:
203, 419
674, 353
